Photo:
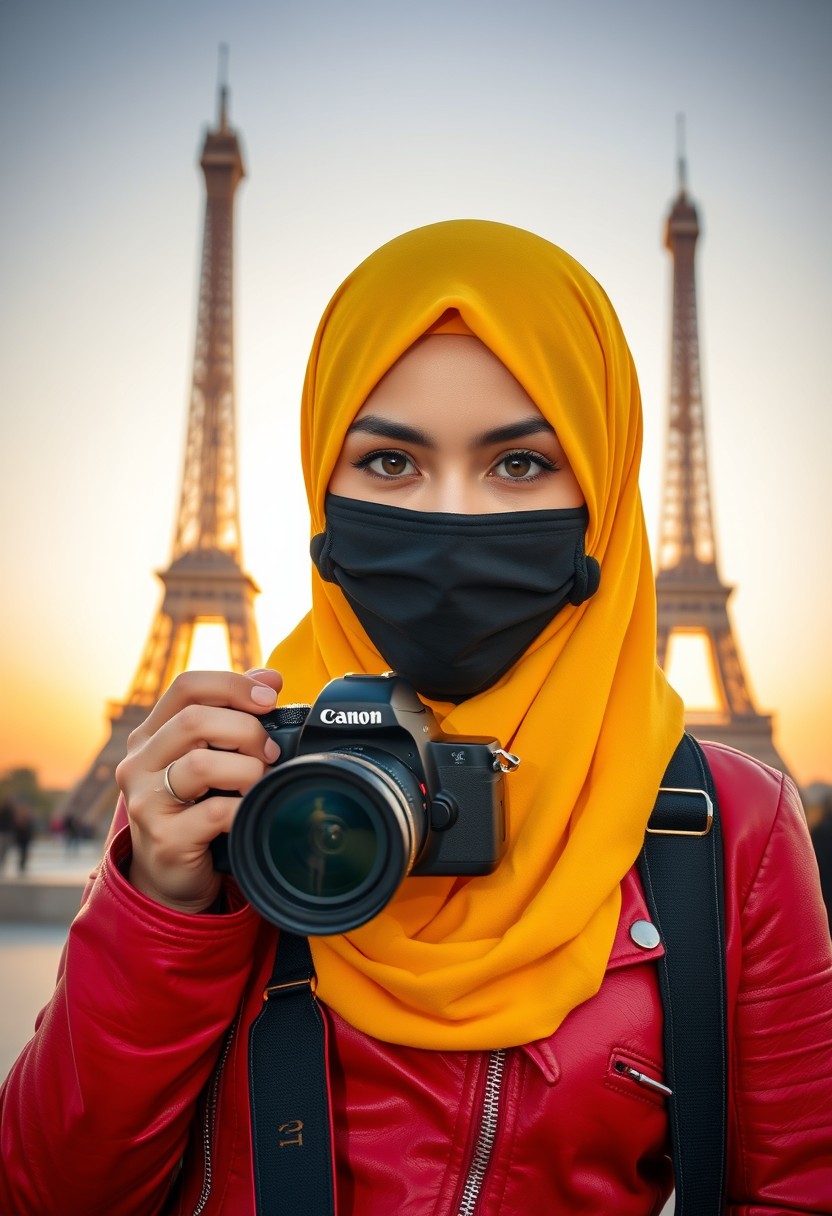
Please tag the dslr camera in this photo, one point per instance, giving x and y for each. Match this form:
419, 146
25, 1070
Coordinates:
367, 790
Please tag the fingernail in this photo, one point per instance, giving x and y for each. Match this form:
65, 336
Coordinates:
271, 751
259, 671
263, 695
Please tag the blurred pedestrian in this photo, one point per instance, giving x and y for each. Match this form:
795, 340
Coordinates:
821, 833
6, 829
72, 832
24, 830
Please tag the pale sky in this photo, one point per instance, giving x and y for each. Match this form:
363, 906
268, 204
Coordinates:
358, 122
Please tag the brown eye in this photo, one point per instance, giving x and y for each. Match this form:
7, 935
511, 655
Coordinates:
518, 465
388, 464
392, 463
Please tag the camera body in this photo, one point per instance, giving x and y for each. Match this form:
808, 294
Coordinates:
463, 792
367, 790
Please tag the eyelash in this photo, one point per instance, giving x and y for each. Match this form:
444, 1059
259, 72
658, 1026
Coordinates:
545, 464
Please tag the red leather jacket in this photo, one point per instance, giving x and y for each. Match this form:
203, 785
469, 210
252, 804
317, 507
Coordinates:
132, 1097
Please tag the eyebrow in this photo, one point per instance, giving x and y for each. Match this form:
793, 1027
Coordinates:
515, 430
386, 428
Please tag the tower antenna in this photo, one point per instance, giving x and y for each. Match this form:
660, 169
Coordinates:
681, 162
222, 82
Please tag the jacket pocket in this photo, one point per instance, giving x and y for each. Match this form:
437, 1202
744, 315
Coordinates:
635, 1075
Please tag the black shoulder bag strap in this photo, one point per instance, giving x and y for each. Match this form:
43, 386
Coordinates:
291, 1126
682, 873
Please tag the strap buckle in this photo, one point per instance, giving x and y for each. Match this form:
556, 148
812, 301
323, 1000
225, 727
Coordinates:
274, 989
709, 814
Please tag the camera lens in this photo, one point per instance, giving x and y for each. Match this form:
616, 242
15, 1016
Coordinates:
322, 842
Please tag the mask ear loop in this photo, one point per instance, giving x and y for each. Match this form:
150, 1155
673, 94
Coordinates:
320, 550
587, 576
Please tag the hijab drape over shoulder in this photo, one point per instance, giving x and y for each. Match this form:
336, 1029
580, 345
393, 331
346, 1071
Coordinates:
500, 960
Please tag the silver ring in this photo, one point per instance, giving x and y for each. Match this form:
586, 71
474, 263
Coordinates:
171, 790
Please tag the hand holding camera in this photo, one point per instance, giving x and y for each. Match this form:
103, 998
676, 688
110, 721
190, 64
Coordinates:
204, 735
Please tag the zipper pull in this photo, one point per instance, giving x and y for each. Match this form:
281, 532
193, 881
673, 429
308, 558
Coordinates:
642, 1078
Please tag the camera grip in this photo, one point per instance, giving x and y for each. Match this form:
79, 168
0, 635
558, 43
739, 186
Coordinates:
219, 853
219, 845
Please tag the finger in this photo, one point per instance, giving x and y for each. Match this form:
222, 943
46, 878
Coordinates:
206, 727
197, 728
228, 689
201, 822
197, 772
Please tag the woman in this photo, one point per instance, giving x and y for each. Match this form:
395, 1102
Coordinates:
471, 434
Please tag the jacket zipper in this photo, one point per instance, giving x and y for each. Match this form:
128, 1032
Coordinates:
209, 1122
487, 1133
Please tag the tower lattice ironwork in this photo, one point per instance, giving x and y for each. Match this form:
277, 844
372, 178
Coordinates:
692, 597
205, 580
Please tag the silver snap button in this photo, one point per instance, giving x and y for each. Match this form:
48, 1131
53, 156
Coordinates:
645, 934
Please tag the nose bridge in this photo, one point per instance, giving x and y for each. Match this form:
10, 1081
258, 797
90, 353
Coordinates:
455, 490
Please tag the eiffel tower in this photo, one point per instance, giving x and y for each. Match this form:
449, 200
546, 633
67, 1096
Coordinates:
692, 598
205, 581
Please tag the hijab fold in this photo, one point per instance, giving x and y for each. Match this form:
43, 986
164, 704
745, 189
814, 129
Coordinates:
499, 960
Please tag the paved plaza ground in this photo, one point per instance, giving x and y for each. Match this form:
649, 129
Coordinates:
29, 953
29, 956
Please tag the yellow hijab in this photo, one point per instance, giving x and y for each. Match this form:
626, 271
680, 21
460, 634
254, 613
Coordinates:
501, 960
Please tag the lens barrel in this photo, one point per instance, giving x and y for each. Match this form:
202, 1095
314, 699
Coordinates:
322, 842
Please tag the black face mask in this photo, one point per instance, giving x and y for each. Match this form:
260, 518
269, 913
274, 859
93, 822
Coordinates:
453, 601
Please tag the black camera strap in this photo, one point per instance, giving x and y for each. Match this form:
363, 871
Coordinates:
291, 1122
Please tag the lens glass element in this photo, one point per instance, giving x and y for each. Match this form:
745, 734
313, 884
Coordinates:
323, 840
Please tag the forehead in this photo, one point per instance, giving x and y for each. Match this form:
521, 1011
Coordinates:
452, 381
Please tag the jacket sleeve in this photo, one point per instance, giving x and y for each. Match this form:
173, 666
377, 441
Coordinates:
95, 1113
780, 986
